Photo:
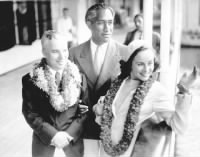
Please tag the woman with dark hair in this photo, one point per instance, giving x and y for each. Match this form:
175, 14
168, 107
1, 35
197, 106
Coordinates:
137, 111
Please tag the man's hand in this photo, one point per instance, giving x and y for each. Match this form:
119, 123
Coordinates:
61, 139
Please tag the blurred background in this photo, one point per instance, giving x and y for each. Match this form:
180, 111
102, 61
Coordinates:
23, 22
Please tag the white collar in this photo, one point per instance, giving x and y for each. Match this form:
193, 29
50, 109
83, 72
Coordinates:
93, 47
54, 71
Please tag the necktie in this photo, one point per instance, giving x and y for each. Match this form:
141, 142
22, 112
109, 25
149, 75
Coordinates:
57, 78
97, 60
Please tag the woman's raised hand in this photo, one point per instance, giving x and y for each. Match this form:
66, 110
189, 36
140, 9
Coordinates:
187, 81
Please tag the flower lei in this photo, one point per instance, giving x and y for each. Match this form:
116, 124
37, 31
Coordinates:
70, 84
131, 119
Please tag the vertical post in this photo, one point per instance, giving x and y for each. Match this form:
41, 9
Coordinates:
175, 56
36, 19
165, 42
136, 7
176, 37
15, 22
83, 33
148, 20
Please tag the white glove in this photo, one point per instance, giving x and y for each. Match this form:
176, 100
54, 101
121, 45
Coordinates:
187, 81
98, 108
61, 139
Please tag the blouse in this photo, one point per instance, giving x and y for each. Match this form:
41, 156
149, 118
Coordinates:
157, 103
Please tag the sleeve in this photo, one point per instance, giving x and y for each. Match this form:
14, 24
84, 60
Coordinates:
43, 130
180, 118
76, 128
177, 115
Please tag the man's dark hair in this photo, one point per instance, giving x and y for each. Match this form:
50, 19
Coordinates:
91, 13
137, 16
65, 9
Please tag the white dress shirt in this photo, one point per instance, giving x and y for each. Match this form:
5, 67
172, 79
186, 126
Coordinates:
54, 72
101, 57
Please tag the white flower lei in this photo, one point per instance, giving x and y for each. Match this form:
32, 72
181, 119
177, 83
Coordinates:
70, 89
131, 118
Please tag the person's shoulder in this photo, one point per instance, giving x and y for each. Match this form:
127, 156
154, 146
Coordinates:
157, 92
119, 45
80, 46
26, 79
159, 89
78, 49
158, 85
132, 31
27, 76
122, 49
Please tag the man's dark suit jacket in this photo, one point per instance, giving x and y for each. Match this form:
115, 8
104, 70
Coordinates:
43, 118
97, 85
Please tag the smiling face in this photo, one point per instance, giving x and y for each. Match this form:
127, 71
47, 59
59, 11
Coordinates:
102, 27
142, 65
56, 53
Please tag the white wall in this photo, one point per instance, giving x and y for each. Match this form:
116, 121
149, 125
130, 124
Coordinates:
191, 16
20, 55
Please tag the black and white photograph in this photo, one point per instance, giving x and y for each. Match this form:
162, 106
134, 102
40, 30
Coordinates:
100, 78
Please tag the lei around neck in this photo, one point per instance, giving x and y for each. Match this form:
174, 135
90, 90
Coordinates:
69, 93
131, 119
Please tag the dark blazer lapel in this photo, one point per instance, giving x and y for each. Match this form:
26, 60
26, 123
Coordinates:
110, 62
86, 63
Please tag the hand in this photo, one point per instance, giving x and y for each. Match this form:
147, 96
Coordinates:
61, 139
82, 108
187, 80
98, 108
98, 120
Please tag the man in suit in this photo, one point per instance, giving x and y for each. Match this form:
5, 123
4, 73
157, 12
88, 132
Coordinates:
51, 102
138, 34
98, 58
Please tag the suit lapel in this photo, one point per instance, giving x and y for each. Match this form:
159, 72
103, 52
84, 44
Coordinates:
110, 61
85, 60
